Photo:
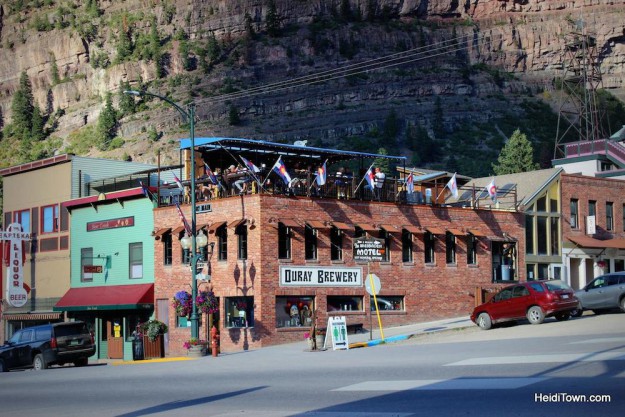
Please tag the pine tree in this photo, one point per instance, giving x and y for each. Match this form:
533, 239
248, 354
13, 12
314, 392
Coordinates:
126, 101
38, 122
22, 107
233, 116
516, 156
107, 123
382, 163
273, 20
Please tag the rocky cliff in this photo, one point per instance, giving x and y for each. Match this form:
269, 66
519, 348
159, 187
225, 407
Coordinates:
466, 63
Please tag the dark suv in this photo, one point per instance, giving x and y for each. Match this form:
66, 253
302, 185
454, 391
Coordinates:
49, 344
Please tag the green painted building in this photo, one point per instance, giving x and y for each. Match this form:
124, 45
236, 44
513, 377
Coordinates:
112, 267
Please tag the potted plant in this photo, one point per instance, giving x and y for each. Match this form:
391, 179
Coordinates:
320, 335
195, 347
182, 303
152, 331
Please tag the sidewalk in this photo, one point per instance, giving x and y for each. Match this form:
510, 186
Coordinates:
394, 334
358, 340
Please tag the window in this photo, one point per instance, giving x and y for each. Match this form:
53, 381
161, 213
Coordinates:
609, 216
23, 218
406, 246
529, 234
429, 240
50, 219
555, 236
388, 302
284, 241
336, 244
387, 245
450, 248
294, 311
135, 251
86, 258
574, 213
222, 243
344, 303
472, 250
359, 232
310, 243
241, 232
240, 312
541, 235
166, 238
592, 208
541, 204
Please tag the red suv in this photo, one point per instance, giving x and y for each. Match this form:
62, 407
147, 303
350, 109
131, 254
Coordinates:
533, 300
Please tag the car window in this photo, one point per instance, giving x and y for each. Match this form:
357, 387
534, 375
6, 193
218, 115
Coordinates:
597, 283
537, 287
68, 330
26, 336
557, 285
43, 333
612, 280
621, 279
520, 291
505, 294
16, 337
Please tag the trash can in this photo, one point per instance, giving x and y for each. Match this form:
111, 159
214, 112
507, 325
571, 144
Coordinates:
137, 348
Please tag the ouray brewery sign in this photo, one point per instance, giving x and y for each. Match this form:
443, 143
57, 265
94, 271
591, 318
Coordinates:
306, 276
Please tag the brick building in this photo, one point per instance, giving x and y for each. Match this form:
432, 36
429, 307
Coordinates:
268, 246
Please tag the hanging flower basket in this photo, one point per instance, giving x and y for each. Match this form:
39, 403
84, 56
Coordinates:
602, 264
182, 303
206, 302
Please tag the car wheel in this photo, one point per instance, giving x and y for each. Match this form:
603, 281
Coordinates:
535, 315
577, 312
81, 362
39, 362
484, 322
3, 368
623, 304
563, 316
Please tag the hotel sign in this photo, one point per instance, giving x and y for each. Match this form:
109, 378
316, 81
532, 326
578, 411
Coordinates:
307, 276
111, 224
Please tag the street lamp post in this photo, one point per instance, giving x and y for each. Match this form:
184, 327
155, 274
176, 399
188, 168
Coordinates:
189, 114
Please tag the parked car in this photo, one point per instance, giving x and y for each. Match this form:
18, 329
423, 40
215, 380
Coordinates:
533, 300
48, 344
602, 293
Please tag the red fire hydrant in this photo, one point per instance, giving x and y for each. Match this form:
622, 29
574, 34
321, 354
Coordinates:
214, 340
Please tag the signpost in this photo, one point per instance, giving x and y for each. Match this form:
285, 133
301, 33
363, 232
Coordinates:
371, 249
16, 293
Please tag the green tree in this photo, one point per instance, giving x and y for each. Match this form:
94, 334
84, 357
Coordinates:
126, 101
516, 156
382, 163
154, 41
22, 107
273, 20
233, 116
107, 123
124, 46
37, 129
249, 27
391, 130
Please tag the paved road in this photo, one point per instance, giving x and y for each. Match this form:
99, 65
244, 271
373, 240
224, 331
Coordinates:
521, 370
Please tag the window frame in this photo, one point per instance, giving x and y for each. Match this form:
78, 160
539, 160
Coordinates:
310, 243
222, 242
450, 248
18, 217
85, 254
284, 241
574, 208
609, 215
472, 244
134, 262
44, 222
407, 246
241, 232
167, 241
429, 252
386, 236
336, 244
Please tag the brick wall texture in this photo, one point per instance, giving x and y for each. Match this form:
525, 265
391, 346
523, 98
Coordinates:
431, 291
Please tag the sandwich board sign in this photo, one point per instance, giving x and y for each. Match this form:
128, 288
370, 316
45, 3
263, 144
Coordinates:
337, 330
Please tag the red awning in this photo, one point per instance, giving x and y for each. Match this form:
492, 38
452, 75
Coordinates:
342, 226
389, 228
316, 224
107, 297
412, 229
589, 242
435, 230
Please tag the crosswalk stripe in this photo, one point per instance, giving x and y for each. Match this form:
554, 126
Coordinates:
601, 340
443, 384
555, 358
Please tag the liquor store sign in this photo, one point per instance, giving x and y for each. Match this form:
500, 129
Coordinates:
305, 276
13, 237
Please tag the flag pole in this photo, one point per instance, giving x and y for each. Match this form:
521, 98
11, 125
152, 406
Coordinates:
363, 178
271, 170
316, 175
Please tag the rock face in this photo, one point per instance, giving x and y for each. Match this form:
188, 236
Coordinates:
525, 38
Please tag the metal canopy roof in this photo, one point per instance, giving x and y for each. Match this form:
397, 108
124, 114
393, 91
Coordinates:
260, 148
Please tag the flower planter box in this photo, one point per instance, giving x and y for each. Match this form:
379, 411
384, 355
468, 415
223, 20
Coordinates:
153, 349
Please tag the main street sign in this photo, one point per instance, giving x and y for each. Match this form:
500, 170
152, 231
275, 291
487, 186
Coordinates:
368, 249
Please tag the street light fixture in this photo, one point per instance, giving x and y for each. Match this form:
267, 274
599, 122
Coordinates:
189, 115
